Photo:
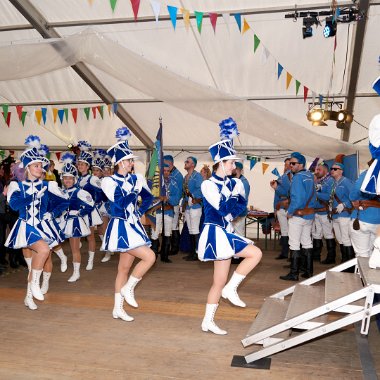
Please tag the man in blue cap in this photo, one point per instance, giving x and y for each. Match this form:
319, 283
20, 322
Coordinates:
239, 221
340, 209
301, 216
192, 204
176, 181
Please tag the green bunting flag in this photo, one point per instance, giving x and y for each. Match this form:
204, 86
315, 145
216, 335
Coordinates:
87, 112
23, 116
298, 84
113, 4
5, 111
256, 43
66, 110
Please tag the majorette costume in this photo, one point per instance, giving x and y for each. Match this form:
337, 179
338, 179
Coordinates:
124, 230
223, 200
30, 199
81, 204
100, 198
89, 183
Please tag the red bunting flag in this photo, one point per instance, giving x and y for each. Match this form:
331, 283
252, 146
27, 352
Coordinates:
213, 19
101, 112
94, 111
74, 112
135, 7
19, 112
305, 91
8, 118
58, 154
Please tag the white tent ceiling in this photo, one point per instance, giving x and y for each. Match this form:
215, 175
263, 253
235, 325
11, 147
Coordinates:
189, 79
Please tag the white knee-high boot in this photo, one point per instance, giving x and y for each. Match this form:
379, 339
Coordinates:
230, 290
128, 291
76, 275
107, 257
28, 300
35, 284
374, 260
90, 263
208, 323
29, 263
118, 311
45, 282
63, 259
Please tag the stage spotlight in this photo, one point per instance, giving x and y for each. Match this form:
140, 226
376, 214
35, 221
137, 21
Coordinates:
330, 28
340, 124
318, 123
307, 29
315, 115
70, 146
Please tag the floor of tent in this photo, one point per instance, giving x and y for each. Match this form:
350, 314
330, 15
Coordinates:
73, 334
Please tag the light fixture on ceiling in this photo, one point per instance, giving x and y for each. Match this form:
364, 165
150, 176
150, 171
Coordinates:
307, 28
330, 28
317, 115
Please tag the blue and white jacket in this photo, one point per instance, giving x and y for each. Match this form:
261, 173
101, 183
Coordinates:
342, 190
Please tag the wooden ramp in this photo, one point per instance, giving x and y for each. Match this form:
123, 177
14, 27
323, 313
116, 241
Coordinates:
307, 305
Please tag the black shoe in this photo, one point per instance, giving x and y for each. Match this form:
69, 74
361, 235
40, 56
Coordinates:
192, 258
165, 260
294, 267
289, 277
165, 249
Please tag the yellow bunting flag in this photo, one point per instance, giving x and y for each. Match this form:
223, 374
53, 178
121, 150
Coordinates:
109, 107
38, 114
55, 114
186, 17
246, 26
289, 78
265, 167
90, 1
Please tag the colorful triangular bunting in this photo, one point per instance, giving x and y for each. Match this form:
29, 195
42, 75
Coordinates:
135, 7
256, 43
264, 167
173, 14
238, 20
199, 18
289, 78
279, 70
74, 113
213, 19
246, 26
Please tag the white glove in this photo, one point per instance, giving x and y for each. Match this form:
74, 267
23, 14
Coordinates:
41, 192
339, 208
47, 216
237, 188
318, 187
138, 186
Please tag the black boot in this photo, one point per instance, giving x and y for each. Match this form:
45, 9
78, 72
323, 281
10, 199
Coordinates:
302, 261
331, 253
194, 247
309, 258
174, 242
350, 253
165, 248
317, 249
154, 246
344, 253
284, 242
294, 267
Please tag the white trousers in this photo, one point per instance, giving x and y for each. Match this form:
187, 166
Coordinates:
300, 233
193, 219
175, 218
363, 239
168, 221
239, 225
342, 231
283, 220
322, 227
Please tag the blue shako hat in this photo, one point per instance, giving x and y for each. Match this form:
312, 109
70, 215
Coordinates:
224, 149
31, 154
121, 151
371, 182
85, 155
68, 168
98, 161
107, 161
44, 151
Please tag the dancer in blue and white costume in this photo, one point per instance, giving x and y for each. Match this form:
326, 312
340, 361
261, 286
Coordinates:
91, 184
81, 204
30, 199
224, 200
125, 233
57, 203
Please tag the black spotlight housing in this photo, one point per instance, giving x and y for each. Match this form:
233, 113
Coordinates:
330, 28
307, 28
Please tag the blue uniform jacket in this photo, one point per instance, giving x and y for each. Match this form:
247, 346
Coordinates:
175, 195
301, 190
371, 214
343, 189
247, 190
177, 178
194, 185
81, 202
323, 193
283, 188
